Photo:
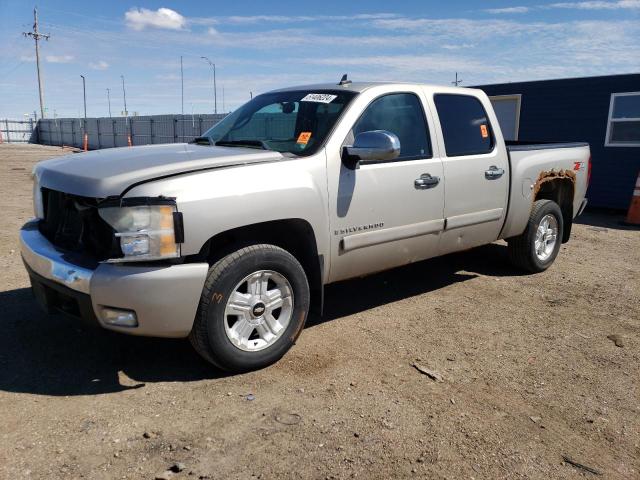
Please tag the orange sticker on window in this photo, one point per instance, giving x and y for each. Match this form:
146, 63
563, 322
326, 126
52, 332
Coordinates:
304, 137
484, 131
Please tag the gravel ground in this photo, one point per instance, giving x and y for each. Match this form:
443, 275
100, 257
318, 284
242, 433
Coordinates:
529, 374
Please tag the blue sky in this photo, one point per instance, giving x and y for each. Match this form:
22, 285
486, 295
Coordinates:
259, 45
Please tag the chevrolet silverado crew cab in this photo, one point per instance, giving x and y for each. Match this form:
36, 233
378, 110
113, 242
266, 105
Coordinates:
229, 240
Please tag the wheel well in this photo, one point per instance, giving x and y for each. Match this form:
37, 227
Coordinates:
293, 235
560, 190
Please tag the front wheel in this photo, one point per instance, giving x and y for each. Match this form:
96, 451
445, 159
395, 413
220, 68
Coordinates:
253, 307
537, 248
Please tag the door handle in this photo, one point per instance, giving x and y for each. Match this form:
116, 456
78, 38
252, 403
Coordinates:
493, 172
426, 181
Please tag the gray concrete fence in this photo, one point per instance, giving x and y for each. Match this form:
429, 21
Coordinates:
18, 131
108, 132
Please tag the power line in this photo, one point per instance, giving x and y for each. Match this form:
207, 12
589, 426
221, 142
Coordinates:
36, 37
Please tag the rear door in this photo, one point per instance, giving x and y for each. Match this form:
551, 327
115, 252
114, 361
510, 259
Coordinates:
476, 170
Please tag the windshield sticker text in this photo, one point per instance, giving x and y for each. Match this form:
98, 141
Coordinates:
319, 98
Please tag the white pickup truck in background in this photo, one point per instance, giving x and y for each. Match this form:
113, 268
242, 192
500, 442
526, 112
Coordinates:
229, 240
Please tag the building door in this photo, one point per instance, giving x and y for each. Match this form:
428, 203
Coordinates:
507, 108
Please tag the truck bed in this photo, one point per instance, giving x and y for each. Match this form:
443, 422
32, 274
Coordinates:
524, 145
533, 163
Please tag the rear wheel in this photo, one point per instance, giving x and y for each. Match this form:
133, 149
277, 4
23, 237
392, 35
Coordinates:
537, 248
253, 307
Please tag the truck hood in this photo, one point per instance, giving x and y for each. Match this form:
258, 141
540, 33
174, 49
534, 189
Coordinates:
104, 173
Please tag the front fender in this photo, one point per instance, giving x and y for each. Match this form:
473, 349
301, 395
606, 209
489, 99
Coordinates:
218, 200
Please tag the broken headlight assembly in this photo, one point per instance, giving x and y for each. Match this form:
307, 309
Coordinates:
147, 229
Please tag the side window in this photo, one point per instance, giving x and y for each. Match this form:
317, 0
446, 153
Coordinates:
402, 114
623, 129
465, 125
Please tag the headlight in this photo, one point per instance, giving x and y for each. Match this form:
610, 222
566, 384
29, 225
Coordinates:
146, 232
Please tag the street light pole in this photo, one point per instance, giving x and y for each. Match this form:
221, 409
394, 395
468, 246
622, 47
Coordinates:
124, 95
85, 138
126, 113
109, 101
84, 94
215, 89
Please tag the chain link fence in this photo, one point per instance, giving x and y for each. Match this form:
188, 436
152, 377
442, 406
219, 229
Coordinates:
106, 132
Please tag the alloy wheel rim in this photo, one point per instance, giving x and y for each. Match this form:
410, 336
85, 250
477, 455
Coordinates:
546, 237
258, 310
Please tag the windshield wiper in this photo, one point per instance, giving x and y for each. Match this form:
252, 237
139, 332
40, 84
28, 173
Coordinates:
243, 143
201, 141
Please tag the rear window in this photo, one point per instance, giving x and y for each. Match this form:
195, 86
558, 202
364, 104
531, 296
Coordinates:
465, 126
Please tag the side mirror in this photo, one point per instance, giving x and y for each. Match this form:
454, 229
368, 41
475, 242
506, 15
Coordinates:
375, 145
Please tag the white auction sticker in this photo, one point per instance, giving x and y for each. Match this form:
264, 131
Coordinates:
319, 97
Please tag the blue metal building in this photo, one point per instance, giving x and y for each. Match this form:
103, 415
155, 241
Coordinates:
604, 111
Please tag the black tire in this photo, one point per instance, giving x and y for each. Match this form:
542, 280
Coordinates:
522, 248
208, 335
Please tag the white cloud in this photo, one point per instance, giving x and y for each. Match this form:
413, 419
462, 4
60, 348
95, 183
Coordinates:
584, 5
598, 5
460, 46
508, 10
265, 19
100, 65
163, 18
27, 58
59, 58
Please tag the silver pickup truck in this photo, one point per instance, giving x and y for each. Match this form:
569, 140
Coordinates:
229, 240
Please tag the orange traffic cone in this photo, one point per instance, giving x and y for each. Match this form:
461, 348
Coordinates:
633, 216
129, 140
85, 143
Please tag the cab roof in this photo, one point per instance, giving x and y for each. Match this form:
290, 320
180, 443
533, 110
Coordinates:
359, 87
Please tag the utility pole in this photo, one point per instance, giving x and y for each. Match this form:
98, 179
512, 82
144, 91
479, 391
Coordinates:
109, 101
36, 35
84, 94
215, 89
457, 81
251, 95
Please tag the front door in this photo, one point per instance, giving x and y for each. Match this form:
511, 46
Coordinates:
391, 213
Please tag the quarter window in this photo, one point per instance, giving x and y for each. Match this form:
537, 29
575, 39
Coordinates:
465, 126
402, 114
623, 128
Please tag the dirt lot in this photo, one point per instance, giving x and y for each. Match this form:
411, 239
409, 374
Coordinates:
529, 375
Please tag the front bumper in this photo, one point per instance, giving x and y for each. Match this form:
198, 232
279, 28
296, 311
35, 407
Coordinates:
164, 297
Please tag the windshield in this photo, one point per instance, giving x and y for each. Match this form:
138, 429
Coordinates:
296, 122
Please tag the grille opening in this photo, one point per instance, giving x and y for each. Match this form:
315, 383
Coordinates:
72, 223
